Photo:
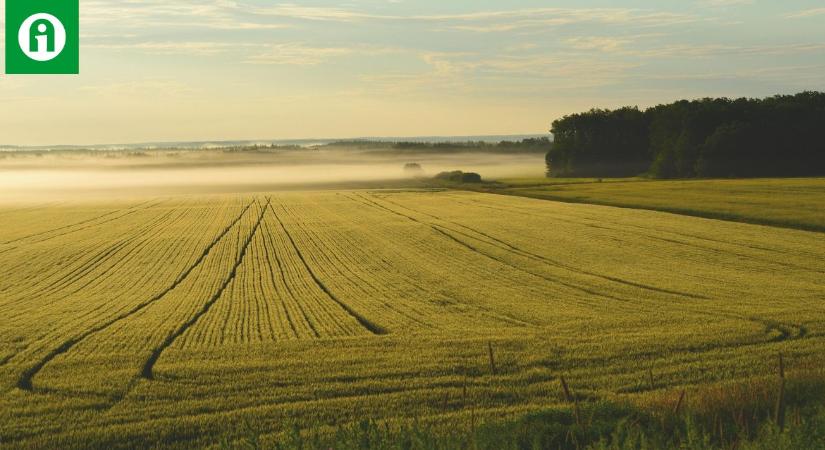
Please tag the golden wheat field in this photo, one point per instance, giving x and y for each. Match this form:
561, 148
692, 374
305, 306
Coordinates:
173, 321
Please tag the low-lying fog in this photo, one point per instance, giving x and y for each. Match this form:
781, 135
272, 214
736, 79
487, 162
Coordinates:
54, 176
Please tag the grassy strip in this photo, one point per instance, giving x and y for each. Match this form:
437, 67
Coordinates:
731, 217
775, 414
787, 203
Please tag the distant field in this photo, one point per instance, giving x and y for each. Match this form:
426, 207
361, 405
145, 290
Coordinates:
788, 202
174, 321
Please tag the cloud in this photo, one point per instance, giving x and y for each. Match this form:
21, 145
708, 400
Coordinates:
806, 13
488, 21
724, 3
716, 50
286, 53
151, 14
313, 13
298, 54
792, 74
139, 89
148, 15
472, 75
604, 44
547, 17
177, 47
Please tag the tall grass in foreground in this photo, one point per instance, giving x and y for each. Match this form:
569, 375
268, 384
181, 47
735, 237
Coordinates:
776, 413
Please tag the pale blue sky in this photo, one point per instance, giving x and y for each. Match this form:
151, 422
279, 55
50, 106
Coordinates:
219, 69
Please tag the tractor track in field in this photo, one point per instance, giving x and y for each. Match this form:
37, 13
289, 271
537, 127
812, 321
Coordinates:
147, 239
79, 273
485, 311
267, 245
366, 323
427, 246
72, 276
289, 291
25, 380
86, 265
94, 312
97, 310
29, 208
148, 366
644, 232
741, 255
127, 212
519, 251
707, 353
7, 358
79, 318
442, 231
786, 331
354, 277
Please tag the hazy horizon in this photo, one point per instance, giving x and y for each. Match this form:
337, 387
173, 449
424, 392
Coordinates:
154, 71
305, 141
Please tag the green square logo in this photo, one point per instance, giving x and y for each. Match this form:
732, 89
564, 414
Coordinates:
42, 36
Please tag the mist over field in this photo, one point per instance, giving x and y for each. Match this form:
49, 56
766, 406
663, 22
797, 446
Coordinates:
44, 176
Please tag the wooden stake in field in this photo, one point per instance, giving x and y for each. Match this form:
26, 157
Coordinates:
779, 411
464, 391
566, 390
570, 398
492, 359
679, 403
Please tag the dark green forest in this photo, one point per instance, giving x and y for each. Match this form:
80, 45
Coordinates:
711, 137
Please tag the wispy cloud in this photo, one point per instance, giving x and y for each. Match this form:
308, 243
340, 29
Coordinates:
299, 54
722, 50
604, 44
785, 74
296, 54
193, 48
284, 53
233, 15
153, 14
467, 74
294, 11
724, 3
806, 13
543, 17
139, 89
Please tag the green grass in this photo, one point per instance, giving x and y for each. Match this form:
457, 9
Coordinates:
721, 417
788, 202
609, 427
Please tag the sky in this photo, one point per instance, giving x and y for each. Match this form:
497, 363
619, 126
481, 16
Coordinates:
161, 70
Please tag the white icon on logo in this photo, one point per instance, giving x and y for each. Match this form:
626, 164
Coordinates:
42, 37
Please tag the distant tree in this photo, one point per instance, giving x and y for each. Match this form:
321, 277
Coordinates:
470, 177
413, 169
458, 176
776, 136
600, 143
722, 153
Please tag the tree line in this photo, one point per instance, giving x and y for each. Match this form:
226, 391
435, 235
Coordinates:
782, 135
538, 145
